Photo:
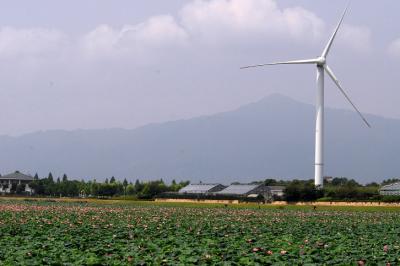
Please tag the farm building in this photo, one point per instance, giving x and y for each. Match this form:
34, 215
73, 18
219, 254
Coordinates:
235, 192
9, 183
253, 191
201, 188
391, 189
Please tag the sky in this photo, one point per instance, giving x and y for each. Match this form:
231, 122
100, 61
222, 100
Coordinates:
93, 64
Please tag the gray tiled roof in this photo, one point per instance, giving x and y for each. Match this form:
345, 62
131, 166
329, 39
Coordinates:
17, 176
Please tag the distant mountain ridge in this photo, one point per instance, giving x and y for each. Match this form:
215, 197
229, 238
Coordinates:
273, 137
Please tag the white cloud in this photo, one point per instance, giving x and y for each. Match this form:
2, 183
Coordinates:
212, 18
156, 32
100, 40
394, 47
357, 38
198, 22
29, 42
215, 21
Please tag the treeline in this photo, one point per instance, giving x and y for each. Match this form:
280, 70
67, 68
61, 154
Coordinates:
63, 187
337, 189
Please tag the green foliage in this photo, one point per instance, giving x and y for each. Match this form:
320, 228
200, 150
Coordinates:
391, 198
114, 188
20, 189
339, 188
390, 181
37, 233
344, 189
50, 178
298, 190
274, 182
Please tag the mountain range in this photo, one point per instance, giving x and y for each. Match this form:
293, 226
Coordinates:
271, 138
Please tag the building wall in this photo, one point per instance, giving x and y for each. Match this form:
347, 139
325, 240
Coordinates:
5, 185
261, 190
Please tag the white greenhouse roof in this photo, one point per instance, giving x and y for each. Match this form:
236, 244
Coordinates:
394, 186
198, 188
238, 189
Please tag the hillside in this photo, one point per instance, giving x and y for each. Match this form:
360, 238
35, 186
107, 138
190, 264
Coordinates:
270, 138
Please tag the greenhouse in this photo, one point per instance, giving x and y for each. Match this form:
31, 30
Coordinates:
390, 190
201, 188
246, 190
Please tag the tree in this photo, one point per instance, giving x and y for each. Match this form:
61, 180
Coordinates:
38, 186
65, 178
152, 188
270, 182
20, 189
138, 186
390, 181
50, 178
299, 190
94, 188
130, 190
125, 184
343, 181
112, 180
292, 193
174, 185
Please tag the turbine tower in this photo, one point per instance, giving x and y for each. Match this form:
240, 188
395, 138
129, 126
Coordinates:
322, 67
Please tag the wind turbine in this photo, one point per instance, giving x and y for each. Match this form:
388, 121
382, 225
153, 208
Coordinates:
322, 67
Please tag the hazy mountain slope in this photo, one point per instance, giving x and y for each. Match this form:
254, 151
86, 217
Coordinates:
271, 138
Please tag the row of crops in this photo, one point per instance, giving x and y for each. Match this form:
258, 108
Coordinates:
35, 233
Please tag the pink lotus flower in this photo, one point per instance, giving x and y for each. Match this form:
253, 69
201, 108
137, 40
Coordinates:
385, 248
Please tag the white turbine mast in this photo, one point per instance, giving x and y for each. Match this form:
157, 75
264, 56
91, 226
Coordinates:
322, 67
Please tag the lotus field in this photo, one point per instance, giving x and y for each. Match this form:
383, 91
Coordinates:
35, 233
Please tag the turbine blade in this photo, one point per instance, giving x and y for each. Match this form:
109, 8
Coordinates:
305, 61
329, 45
336, 81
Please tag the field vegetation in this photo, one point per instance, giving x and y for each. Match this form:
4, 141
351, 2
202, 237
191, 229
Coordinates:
34, 232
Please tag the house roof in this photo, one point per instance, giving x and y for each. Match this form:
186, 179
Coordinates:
17, 176
238, 189
198, 188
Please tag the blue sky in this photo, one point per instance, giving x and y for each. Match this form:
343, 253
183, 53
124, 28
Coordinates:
102, 64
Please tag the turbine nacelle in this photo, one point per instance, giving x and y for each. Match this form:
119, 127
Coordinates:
321, 61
